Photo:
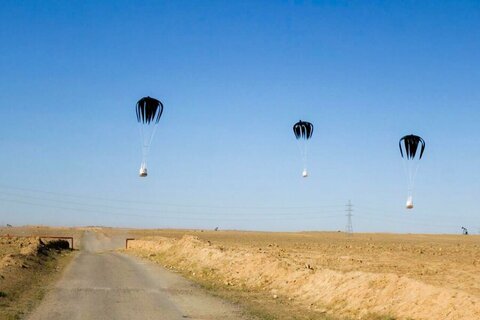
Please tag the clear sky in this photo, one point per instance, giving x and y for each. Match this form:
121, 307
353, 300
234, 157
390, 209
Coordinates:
234, 76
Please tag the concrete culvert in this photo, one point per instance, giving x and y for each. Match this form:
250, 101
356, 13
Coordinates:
58, 244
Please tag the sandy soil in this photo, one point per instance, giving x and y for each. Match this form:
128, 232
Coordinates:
37, 231
14, 250
364, 276
27, 265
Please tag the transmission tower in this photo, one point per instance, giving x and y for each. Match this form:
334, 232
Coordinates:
349, 210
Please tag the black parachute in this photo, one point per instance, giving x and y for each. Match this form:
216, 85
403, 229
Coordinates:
411, 144
303, 129
148, 110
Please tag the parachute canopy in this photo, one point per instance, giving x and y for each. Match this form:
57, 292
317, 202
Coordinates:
411, 144
148, 110
303, 129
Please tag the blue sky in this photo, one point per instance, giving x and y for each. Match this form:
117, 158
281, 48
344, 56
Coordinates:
234, 77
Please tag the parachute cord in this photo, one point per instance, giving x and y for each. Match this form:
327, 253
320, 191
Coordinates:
411, 170
305, 155
407, 169
144, 151
153, 133
144, 156
413, 177
302, 147
146, 143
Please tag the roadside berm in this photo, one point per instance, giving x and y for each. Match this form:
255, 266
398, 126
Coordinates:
273, 269
27, 266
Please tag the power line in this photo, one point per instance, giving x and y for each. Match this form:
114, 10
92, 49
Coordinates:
70, 202
59, 194
349, 210
164, 214
37, 201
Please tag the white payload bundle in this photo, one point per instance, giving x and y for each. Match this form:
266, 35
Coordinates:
305, 173
143, 170
409, 204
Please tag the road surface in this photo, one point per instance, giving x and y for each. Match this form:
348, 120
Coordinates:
103, 284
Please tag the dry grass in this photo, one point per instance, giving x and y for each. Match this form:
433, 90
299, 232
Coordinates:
37, 231
27, 266
367, 276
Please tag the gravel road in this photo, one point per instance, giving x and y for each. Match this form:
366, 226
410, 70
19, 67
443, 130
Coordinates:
103, 284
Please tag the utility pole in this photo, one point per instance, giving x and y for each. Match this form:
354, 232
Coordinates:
349, 210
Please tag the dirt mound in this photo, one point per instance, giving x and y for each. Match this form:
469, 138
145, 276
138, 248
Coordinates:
26, 263
350, 293
13, 250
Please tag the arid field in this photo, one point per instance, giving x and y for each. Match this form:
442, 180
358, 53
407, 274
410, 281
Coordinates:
315, 275
27, 265
306, 275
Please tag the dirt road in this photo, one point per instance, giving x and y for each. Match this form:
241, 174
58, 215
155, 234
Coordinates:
103, 284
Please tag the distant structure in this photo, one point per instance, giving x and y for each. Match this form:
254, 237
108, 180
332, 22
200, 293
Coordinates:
349, 210
464, 231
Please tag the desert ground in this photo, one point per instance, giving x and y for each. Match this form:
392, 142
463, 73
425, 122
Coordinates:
315, 275
196, 274
27, 264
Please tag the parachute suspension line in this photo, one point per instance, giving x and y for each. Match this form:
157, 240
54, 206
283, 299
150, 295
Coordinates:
413, 175
305, 155
144, 148
407, 171
146, 143
143, 164
302, 148
411, 169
